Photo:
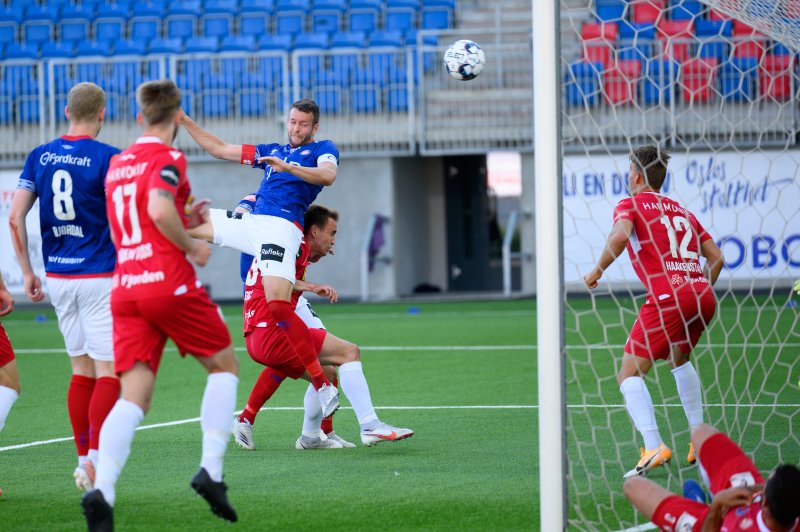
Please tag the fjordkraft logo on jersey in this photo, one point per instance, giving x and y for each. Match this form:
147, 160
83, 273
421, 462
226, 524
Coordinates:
272, 252
170, 175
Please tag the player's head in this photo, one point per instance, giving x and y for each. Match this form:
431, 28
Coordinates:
86, 105
159, 103
649, 167
320, 225
782, 495
303, 122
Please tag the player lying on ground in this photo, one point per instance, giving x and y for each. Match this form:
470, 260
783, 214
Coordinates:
155, 296
266, 344
67, 176
294, 174
664, 241
741, 499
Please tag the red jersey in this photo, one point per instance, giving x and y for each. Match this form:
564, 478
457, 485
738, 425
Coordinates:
148, 264
256, 312
743, 518
665, 244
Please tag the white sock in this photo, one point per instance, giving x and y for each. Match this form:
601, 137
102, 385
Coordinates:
704, 476
219, 402
640, 407
116, 436
354, 386
93, 456
691, 394
82, 459
312, 413
7, 399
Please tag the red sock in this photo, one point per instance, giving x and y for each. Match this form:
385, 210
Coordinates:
104, 397
266, 385
79, 396
299, 338
327, 422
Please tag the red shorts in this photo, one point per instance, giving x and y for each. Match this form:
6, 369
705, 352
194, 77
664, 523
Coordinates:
6, 352
680, 515
269, 346
665, 324
142, 326
726, 464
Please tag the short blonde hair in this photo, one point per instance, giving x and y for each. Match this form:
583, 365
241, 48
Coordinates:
158, 101
85, 101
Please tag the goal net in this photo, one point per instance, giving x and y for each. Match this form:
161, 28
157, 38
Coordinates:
716, 84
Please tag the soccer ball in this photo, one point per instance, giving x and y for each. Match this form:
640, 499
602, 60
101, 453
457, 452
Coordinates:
464, 60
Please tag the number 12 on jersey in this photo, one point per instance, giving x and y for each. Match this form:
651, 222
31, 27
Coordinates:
674, 226
119, 196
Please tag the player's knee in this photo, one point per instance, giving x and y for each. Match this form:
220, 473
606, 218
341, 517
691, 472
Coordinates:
224, 361
353, 353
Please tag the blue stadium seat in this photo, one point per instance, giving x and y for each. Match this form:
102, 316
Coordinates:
344, 63
397, 98
9, 14
716, 48
413, 4
326, 16
91, 48
52, 50
257, 6
164, 46
224, 7
120, 9
184, 7
201, 45
252, 100
289, 21
364, 99
309, 65
215, 98
272, 67
217, 24
582, 83
129, 47
238, 43
22, 51
436, 18
151, 8
180, 26
73, 29
93, 71
302, 5
110, 26
713, 28
739, 78
315, 41
255, 24
630, 31
144, 28
638, 52
8, 32
6, 108
386, 38
328, 98
684, 10
780, 49
275, 42
38, 24
611, 13
364, 15
659, 77
401, 19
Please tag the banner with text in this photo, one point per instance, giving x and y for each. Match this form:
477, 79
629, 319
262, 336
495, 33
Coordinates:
749, 203
12, 274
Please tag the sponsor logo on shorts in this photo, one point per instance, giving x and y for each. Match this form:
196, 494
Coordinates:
233, 215
170, 175
272, 252
743, 479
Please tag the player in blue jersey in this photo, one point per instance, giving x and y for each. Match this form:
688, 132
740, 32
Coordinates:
67, 176
294, 174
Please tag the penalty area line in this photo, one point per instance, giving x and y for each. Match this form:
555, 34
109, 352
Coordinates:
418, 407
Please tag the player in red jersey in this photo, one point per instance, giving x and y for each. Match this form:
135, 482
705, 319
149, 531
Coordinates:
267, 345
155, 296
741, 501
9, 376
664, 242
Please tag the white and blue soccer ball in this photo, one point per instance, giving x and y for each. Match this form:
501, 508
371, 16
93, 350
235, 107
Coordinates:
464, 60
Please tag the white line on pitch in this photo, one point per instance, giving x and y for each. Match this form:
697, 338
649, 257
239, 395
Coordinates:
441, 407
646, 526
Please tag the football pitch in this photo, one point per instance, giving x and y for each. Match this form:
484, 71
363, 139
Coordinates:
462, 375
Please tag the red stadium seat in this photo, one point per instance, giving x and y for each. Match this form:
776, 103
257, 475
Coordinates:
740, 29
620, 81
646, 11
775, 77
749, 48
607, 31
597, 51
713, 14
676, 37
698, 79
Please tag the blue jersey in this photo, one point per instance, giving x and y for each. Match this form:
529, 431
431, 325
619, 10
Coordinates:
247, 204
68, 176
282, 194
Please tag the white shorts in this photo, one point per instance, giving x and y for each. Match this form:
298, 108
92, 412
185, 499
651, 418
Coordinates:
83, 308
307, 314
274, 241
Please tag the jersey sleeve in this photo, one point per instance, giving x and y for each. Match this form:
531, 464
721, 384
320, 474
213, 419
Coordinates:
27, 179
251, 154
701, 232
168, 174
624, 210
247, 203
327, 153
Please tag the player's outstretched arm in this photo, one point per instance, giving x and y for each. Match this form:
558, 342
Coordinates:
6, 299
722, 502
714, 260
21, 205
161, 209
212, 144
324, 174
319, 289
615, 245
